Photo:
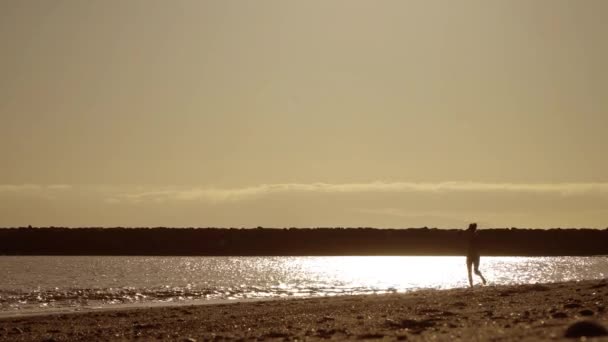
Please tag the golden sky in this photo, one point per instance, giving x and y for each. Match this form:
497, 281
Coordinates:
304, 113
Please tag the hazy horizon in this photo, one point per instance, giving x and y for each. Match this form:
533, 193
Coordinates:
304, 113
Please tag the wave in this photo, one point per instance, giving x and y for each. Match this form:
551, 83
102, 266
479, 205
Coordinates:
11, 301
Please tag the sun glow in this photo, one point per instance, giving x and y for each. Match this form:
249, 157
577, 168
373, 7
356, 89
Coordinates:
390, 272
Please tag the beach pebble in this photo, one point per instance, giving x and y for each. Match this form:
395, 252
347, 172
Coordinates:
276, 334
460, 304
601, 284
326, 319
371, 336
559, 315
585, 329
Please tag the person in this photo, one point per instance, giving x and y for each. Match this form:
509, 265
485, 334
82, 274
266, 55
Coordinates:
473, 253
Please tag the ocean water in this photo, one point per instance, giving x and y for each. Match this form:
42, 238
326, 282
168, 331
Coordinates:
59, 283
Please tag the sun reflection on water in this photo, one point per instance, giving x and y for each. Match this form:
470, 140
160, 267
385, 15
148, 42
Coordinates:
386, 273
85, 281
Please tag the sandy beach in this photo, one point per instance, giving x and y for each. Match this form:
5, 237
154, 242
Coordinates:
491, 313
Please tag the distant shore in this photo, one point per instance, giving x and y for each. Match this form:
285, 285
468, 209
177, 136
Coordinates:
299, 241
505, 313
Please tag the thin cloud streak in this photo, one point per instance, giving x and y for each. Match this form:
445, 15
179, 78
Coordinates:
374, 204
32, 188
238, 194
139, 194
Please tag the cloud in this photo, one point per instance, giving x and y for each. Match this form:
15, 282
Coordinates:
388, 204
237, 194
32, 189
141, 194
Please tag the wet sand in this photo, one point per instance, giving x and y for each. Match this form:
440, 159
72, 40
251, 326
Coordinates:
491, 313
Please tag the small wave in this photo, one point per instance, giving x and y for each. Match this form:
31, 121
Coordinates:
84, 298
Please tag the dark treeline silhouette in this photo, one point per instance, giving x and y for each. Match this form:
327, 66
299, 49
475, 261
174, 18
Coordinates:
297, 241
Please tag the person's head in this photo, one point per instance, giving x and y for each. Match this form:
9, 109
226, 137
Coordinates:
472, 227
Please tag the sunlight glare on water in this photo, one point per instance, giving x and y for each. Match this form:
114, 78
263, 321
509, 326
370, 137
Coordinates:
80, 282
384, 273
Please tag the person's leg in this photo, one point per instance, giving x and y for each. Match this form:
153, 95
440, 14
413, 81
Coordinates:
476, 263
469, 266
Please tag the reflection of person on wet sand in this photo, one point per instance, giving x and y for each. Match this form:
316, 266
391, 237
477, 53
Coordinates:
473, 253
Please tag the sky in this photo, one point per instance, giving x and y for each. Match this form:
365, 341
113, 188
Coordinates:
304, 113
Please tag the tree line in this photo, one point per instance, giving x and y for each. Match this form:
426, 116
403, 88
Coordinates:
297, 241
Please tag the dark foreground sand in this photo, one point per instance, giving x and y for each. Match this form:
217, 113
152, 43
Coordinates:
500, 313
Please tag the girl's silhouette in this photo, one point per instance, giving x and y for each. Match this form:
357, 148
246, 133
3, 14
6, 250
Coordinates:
473, 253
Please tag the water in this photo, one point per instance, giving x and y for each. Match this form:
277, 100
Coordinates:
56, 283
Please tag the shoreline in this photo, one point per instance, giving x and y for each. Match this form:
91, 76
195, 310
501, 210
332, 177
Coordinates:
506, 313
131, 306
